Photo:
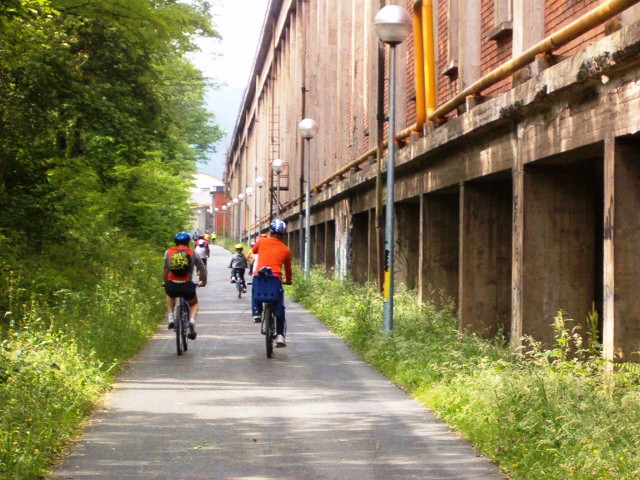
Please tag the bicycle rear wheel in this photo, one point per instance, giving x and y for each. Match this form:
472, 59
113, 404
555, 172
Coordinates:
185, 324
239, 287
179, 326
267, 322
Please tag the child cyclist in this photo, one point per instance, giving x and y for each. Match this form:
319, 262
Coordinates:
238, 265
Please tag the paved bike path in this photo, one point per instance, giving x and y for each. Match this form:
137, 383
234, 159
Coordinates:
225, 411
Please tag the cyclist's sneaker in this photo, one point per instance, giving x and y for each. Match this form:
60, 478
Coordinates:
257, 319
280, 342
170, 321
244, 290
233, 280
192, 330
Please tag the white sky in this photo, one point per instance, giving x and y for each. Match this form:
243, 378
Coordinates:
229, 61
239, 23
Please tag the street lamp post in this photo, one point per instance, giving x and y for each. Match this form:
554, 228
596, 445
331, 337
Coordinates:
215, 221
392, 25
249, 192
277, 166
307, 128
224, 220
212, 192
240, 216
235, 217
259, 184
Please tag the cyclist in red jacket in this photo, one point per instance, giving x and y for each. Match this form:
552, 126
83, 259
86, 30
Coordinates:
177, 274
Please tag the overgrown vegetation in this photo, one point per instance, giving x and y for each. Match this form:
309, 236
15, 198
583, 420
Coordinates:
102, 121
63, 340
555, 413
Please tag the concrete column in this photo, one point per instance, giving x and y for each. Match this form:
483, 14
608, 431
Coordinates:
440, 248
621, 309
407, 244
517, 250
528, 29
485, 258
469, 40
558, 256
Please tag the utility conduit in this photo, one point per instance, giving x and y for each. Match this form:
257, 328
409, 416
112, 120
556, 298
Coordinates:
578, 27
581, 25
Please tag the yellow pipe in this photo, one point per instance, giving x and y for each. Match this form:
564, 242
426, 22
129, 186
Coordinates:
429, 56
570, 32
420, 67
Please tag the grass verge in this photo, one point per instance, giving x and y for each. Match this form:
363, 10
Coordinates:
66, 328
551, 413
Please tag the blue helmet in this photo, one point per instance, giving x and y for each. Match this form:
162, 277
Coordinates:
278, 226
182, 238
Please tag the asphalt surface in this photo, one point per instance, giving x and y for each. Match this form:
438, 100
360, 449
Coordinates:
224, 411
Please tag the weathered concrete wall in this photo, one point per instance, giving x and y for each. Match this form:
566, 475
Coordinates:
559, 246
407, 246
440, 248
359, 248
485, 257
330, 235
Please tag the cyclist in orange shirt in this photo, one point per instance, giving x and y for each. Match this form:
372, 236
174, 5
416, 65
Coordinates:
274, 254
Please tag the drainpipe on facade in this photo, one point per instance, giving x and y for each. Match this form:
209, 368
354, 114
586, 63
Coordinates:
380, 141
429, 72
419, 67
303, 114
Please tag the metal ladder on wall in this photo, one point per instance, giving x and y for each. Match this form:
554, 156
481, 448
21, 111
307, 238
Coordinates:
274, 152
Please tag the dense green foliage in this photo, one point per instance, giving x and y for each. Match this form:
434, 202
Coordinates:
556, 413
101, 116
102, 120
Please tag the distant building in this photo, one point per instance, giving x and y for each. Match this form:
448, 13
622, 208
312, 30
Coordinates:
207, 194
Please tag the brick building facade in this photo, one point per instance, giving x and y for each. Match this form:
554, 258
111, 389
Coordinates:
516, 202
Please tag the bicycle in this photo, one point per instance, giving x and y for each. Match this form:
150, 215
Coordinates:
237, 279
181, 324
266, 289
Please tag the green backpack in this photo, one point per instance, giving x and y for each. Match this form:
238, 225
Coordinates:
180, 262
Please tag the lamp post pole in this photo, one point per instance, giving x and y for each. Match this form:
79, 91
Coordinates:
224, 220
215, 221
277, 166
212, 192
392, 25
240, 216
235, 218
259, 184
307, 128
249, 192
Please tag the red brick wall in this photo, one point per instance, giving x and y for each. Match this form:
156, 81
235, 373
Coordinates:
559, 13
447, 87
494, 52
411, 74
